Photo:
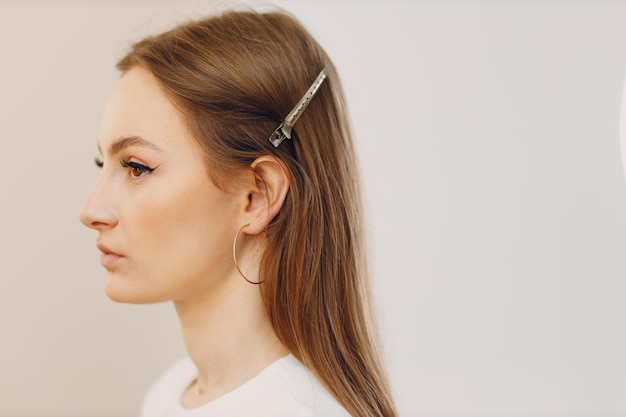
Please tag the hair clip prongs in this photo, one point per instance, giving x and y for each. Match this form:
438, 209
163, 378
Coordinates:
283, 131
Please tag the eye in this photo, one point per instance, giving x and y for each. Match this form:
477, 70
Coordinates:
99, 162
136, 170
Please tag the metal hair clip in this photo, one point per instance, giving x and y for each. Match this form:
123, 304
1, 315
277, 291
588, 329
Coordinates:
283, 131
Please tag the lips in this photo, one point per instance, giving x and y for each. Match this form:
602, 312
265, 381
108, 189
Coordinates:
109, 258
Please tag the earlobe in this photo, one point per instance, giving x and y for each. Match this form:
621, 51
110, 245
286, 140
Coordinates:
267, 195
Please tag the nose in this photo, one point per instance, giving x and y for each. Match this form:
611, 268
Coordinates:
98, 212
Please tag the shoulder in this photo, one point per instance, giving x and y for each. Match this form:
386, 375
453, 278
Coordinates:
306, 390
284, 389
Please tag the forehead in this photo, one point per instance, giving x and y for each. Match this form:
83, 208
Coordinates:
137, 106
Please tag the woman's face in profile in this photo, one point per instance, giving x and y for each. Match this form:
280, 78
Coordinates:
164, 229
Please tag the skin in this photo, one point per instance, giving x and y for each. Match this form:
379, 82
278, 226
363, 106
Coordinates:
166, 232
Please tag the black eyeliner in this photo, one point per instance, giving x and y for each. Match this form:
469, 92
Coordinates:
135, 165
136, 168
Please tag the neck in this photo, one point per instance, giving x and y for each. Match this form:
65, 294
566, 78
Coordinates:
228, 337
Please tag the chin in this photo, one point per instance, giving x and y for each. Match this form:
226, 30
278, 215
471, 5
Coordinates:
124, 290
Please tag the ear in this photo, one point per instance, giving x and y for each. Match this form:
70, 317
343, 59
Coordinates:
267, 195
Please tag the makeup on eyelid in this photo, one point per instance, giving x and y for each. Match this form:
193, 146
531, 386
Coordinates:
134, 166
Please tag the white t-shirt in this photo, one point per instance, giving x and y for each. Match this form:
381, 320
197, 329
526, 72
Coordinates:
283, 389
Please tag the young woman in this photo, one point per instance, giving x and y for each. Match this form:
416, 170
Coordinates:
229, 187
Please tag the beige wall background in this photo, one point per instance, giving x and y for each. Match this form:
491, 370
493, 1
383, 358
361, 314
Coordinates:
488, 136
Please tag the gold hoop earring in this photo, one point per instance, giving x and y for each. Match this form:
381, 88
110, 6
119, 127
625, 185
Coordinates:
235, 255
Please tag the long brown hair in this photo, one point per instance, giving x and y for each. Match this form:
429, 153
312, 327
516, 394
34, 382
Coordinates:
235, 76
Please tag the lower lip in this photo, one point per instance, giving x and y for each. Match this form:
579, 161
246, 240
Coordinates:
109, 260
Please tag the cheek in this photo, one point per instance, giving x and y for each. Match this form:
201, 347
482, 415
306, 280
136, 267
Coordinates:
180, 239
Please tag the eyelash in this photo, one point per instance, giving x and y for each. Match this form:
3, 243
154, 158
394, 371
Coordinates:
143, 169
134, 166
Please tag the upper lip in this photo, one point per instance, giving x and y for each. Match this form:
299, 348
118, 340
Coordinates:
105, 249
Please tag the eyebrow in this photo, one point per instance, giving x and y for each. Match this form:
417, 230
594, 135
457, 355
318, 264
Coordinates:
128, 141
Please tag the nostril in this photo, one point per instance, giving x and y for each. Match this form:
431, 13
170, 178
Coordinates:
97, 211
96, 217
